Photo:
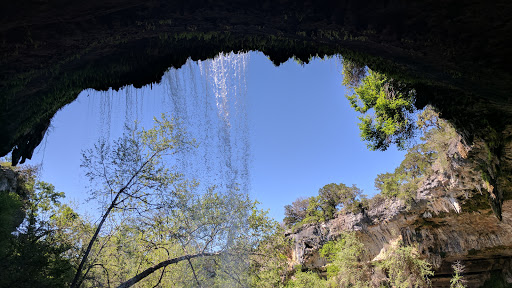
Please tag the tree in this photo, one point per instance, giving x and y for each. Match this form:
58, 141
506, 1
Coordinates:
417, 164
296, 212
133, 174
405, 268
305, 280
11, 213
349, 265
387, 107
336, 196
314, 213
269, 266
154, 218
206, 241
34, 256
353, 72
324, 206
308, 210
14, 201
223, 228
389, 184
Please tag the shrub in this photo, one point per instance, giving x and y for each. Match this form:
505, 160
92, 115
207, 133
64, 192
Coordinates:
406, 269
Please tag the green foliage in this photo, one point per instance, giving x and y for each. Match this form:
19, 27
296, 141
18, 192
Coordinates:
405, 269
331, 198
44, 200
388, 184
353, 72
349, 265
387, 107
314, 213
10, 209
296, 212
417, 164
393, 107
34, 256
133, 176
153, 214
270, 260
305, 280
336, 196
135, 168
227, 225
457, 280
13, 204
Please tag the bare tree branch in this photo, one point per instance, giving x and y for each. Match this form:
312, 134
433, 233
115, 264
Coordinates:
113, 204
162, 264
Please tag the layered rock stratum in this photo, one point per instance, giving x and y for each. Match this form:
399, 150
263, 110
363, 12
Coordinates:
452, 219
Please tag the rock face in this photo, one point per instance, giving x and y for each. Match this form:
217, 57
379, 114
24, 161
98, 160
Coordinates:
452, 220
455, 54
8, 180
10, 183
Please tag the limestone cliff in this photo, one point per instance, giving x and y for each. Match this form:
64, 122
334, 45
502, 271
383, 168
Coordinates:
8, 180
454, 218
11, 187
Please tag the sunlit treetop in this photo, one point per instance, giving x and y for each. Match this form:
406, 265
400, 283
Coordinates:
387, 108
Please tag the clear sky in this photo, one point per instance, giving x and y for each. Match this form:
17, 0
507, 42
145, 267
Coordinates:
301, 131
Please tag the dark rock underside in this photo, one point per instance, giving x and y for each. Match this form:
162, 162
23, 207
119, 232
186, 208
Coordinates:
456, 56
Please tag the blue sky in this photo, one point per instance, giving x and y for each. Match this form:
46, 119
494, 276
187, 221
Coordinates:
305, 133
302, 133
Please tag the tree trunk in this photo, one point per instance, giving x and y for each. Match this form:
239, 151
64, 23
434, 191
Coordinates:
162, 264
78, 273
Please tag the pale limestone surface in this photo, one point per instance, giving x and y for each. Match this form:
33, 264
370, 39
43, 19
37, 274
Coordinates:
451, 220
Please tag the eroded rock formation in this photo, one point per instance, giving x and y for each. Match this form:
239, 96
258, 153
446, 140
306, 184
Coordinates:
11, 183
456, 55
452, 219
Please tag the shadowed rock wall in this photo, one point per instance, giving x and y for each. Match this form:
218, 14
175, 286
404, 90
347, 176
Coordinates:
455, 55
451, 220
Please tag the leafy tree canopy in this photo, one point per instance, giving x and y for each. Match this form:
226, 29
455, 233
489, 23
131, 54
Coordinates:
387, 107
34, 255
331, 198
305, 280
156, 228
405, 268
417, 164
348, 265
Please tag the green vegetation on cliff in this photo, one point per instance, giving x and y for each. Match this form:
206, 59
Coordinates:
350, 266
33, 254
402, 183
331, 198
348, 262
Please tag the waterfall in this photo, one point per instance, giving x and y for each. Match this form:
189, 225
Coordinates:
209, 97
212, 106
